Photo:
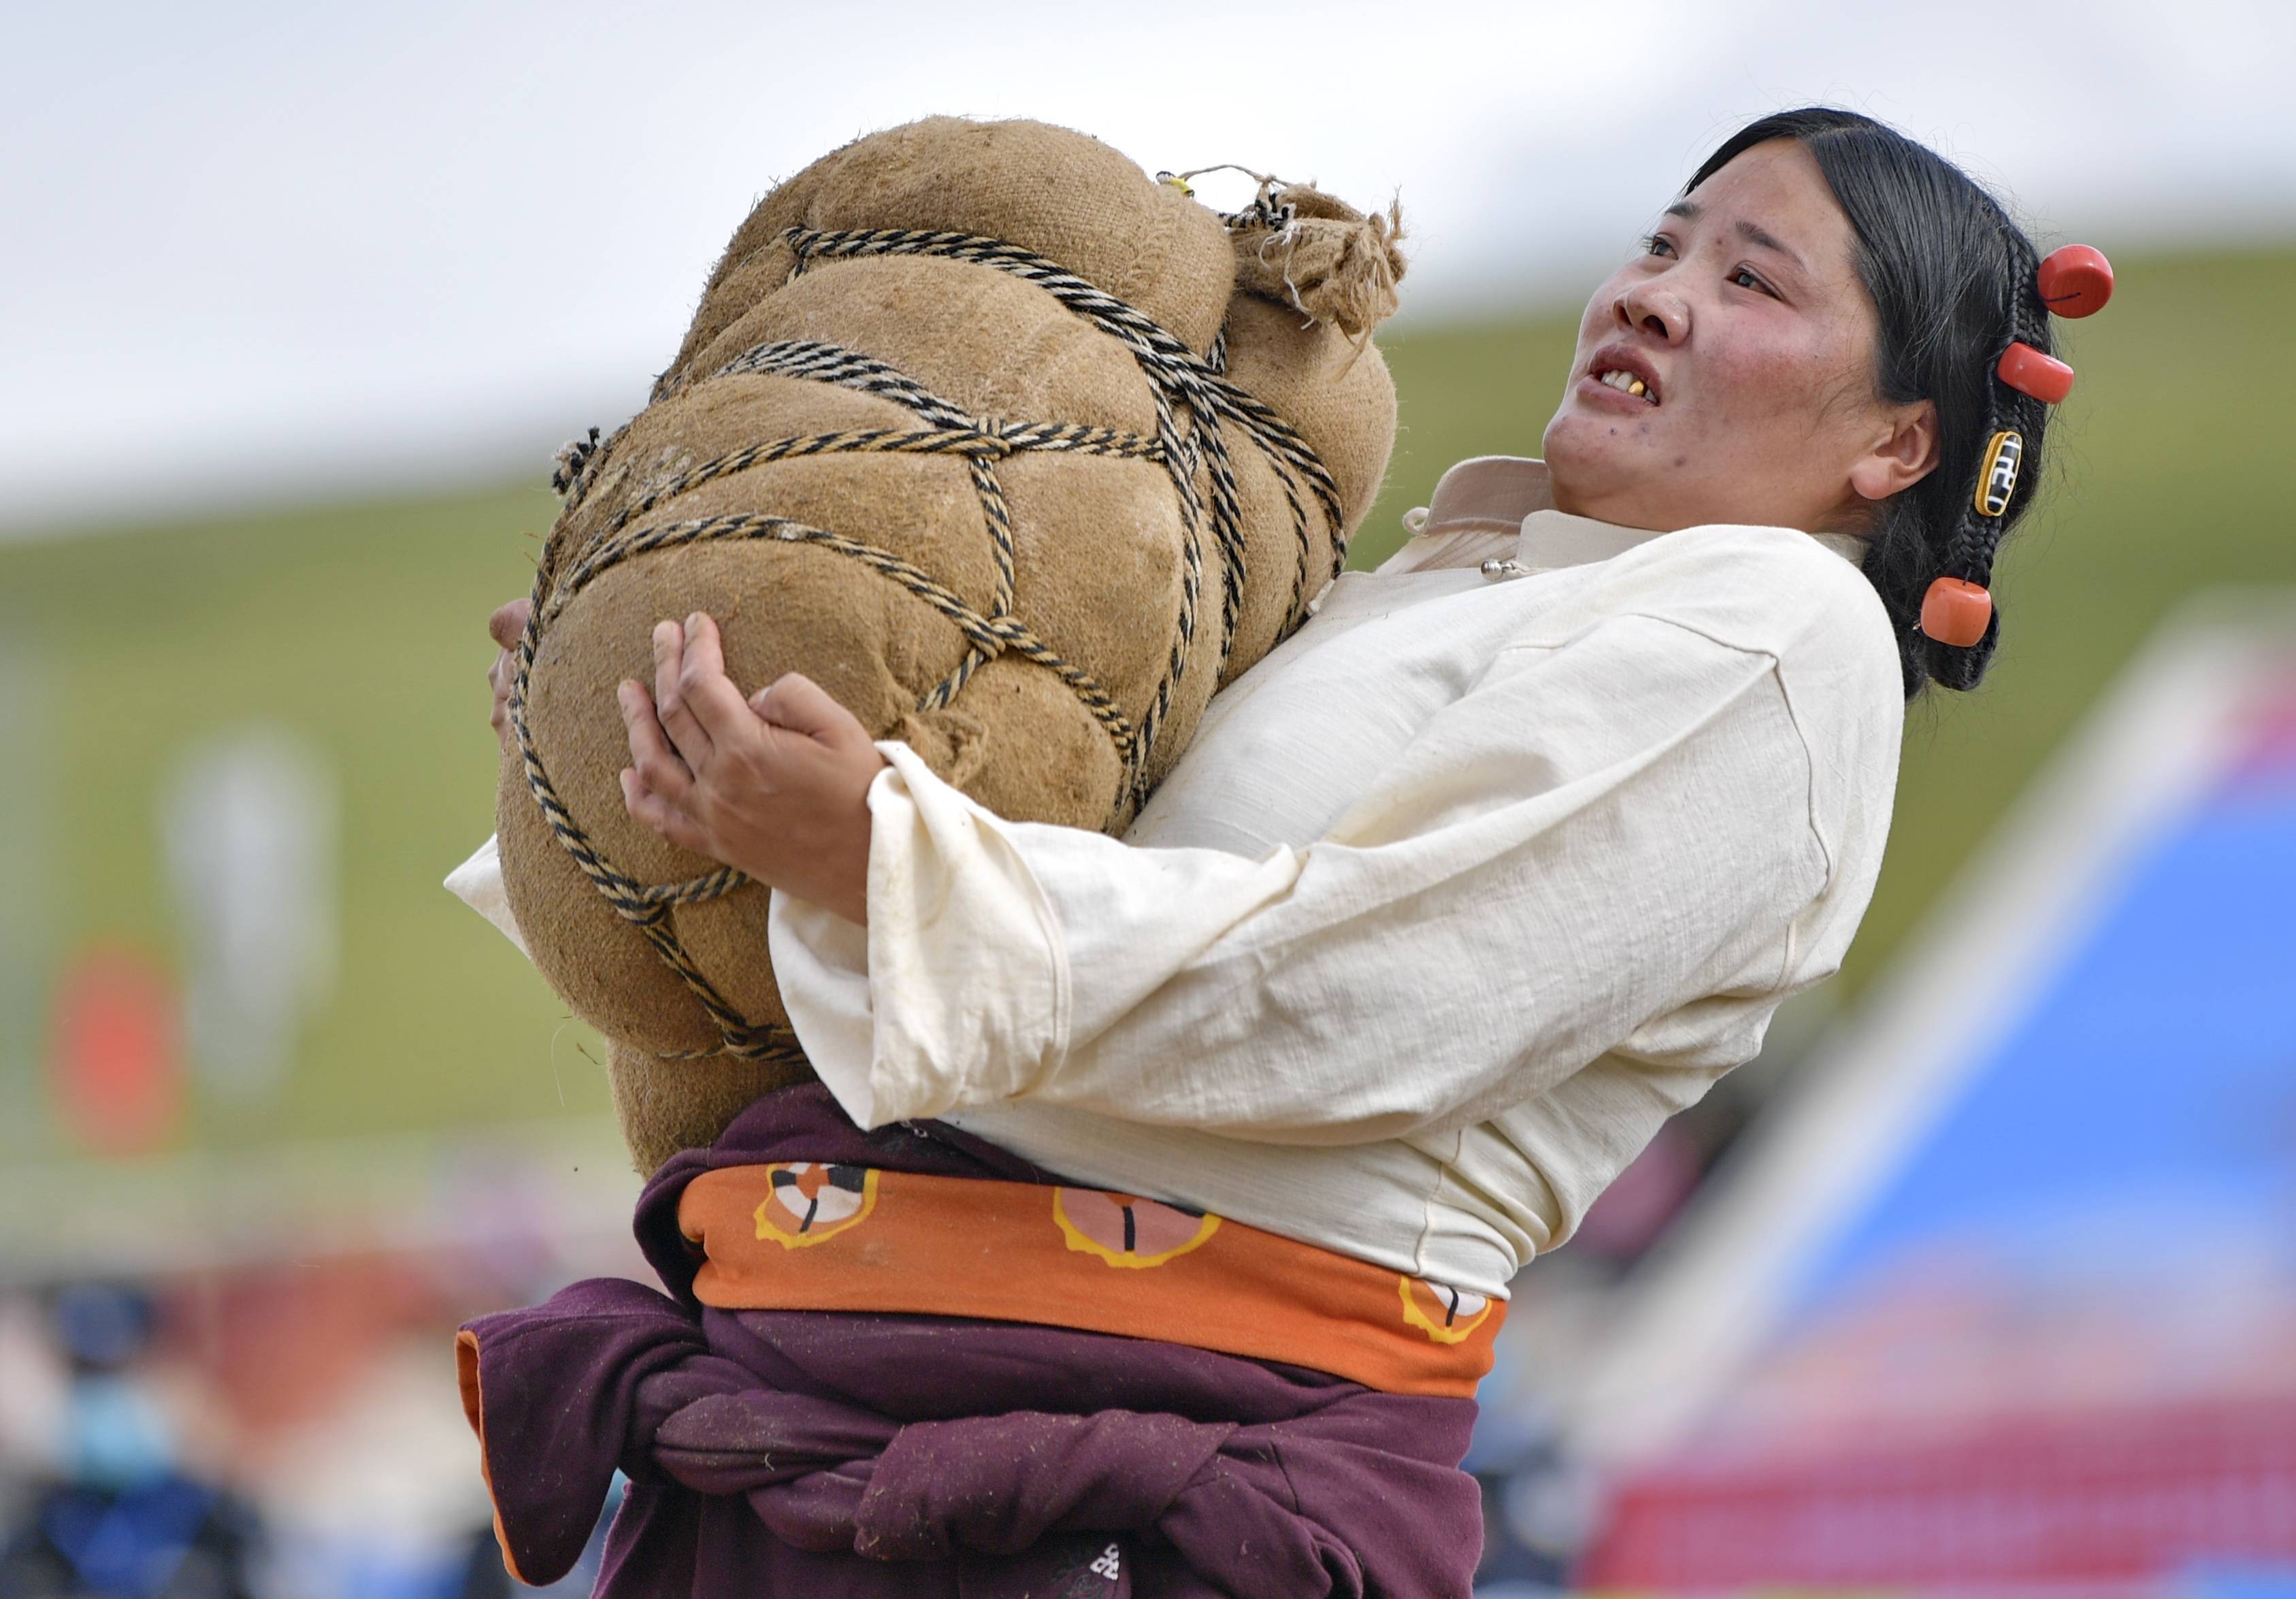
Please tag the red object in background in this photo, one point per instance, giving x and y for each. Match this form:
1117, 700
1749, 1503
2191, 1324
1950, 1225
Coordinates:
2268, 748
115, 1056
2092, 1498
2076, 281
290, 1344
2029, 371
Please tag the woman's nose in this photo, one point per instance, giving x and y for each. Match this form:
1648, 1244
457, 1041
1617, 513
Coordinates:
1654, 309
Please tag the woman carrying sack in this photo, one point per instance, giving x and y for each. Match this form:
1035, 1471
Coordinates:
1501, 860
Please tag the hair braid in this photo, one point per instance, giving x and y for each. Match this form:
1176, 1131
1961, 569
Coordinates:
1976, 537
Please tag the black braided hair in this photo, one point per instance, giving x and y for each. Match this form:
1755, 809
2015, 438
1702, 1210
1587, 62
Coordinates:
1952, 279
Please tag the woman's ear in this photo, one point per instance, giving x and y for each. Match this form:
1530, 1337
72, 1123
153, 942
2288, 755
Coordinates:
1902, 457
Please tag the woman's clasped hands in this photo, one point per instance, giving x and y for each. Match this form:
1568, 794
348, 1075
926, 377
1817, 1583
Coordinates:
775, 785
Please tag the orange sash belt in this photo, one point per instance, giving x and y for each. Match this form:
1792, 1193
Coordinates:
801, 1235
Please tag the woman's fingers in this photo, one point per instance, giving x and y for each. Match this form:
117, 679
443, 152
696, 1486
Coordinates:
798, 704
776, 786
508, 621
693, 743
707, 692
498, 679
656, 764
668, 820
504, 627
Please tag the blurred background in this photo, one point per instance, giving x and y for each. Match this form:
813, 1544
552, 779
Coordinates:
1983, 1277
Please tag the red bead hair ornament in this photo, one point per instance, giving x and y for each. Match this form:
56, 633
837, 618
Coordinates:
2076, 281
1956, 611
2029, 371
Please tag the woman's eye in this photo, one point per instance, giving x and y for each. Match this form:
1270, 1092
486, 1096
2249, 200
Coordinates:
1658, 244
1745, 279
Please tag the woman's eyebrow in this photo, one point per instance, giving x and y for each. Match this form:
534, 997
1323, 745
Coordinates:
1755, 234
1689, 210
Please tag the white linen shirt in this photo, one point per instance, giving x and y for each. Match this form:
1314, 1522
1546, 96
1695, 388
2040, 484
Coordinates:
1454, 899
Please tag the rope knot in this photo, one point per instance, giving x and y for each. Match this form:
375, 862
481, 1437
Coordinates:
574, 458
1317, 254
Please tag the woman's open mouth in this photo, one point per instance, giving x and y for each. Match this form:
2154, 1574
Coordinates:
1625, 371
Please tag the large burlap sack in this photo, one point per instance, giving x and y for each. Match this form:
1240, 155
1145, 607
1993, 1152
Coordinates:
1016, 452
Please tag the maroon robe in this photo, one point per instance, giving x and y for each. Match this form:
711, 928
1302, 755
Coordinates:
858, 1456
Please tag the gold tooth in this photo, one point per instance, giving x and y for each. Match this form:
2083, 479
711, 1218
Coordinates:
1637, 388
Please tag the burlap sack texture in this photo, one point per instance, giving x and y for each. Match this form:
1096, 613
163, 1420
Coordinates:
881, 555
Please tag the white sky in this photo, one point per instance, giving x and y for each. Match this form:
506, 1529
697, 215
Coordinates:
256, 251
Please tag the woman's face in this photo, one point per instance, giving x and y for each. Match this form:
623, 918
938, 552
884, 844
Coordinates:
1751, 340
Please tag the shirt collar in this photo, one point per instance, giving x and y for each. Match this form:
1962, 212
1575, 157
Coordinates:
1502, 493
1551, 538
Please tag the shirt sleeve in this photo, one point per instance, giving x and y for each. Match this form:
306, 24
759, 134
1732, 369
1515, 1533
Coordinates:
1599, 834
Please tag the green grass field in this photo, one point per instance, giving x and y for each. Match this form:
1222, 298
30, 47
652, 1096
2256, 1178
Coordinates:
361, 626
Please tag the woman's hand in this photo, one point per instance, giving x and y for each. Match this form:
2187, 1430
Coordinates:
504, 627
776, 785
